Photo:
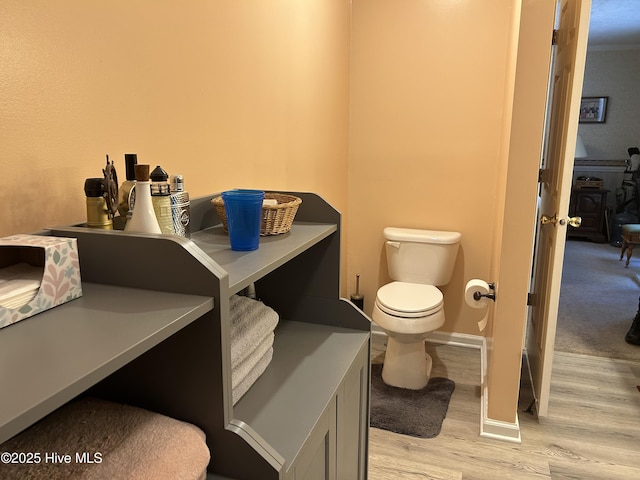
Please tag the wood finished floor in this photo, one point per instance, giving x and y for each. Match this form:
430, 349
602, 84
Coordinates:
592, 431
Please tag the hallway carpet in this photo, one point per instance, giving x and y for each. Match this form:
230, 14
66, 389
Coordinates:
598, 300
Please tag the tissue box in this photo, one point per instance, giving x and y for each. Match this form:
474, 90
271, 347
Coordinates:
36, 273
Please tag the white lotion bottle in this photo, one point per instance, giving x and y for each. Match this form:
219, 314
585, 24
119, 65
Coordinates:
143, 219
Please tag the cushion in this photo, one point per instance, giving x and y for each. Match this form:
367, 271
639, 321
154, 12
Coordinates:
631, 228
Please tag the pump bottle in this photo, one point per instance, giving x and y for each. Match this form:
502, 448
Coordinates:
143, 219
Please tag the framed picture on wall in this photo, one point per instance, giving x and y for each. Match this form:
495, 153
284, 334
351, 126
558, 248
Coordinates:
593, 109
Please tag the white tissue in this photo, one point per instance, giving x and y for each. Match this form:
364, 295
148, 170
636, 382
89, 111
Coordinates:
476, 285
269, 202
19, 284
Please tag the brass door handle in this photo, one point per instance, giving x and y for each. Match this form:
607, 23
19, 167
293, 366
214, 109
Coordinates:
546, 219
573, 221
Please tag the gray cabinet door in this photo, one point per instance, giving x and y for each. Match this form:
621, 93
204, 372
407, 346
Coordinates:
352, 420
317, 461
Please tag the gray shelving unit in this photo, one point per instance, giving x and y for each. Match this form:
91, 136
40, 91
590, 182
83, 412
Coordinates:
307, 415
49, 359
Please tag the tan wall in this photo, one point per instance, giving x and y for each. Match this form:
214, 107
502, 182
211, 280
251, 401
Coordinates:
229, 93
235, 93
426, 124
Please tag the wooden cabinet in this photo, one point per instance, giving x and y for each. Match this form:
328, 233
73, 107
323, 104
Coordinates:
590, 205
306, 417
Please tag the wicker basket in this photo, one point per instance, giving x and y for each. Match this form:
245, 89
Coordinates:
276, 219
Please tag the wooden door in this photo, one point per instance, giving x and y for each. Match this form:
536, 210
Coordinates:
555, 186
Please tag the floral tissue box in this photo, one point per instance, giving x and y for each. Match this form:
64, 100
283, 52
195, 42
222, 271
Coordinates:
36, 273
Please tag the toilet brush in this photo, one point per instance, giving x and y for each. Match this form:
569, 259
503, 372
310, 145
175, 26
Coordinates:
357, 299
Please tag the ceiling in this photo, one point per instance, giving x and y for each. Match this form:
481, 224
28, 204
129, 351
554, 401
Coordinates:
614, 24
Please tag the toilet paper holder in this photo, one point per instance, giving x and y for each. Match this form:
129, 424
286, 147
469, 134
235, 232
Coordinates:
492, 296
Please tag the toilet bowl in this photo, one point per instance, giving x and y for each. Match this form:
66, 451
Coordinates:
411, 306
407, 312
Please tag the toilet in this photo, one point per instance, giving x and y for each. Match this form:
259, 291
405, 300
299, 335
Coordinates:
411, 306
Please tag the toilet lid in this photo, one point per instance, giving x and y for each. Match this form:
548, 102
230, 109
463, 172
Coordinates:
409, 299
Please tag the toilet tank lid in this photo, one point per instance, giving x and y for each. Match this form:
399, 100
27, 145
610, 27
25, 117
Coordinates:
421, 236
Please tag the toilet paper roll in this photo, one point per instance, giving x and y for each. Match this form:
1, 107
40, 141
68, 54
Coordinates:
476, 285
482, 324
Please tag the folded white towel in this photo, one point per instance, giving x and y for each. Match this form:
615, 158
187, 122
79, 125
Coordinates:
244, 386
251, 322
244, 368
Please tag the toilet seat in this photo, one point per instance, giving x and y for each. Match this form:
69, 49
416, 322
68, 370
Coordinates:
409, 300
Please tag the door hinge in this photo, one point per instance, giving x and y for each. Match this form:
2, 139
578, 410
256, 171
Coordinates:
554, 37
530, 297
544, 175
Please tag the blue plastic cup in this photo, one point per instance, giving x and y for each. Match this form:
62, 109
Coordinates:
244, 218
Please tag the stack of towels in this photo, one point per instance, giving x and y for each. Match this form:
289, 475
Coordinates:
252, 335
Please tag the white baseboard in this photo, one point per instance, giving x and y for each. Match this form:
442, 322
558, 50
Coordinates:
497, 430
489, 428
458, 339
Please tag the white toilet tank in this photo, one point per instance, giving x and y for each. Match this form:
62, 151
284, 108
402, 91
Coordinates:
421, 256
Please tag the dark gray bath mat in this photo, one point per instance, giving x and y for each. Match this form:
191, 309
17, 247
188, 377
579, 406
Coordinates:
418, 413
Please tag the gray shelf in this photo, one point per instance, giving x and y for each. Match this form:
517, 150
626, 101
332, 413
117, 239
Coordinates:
309, 363
50, 358
320, 363
244, 268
